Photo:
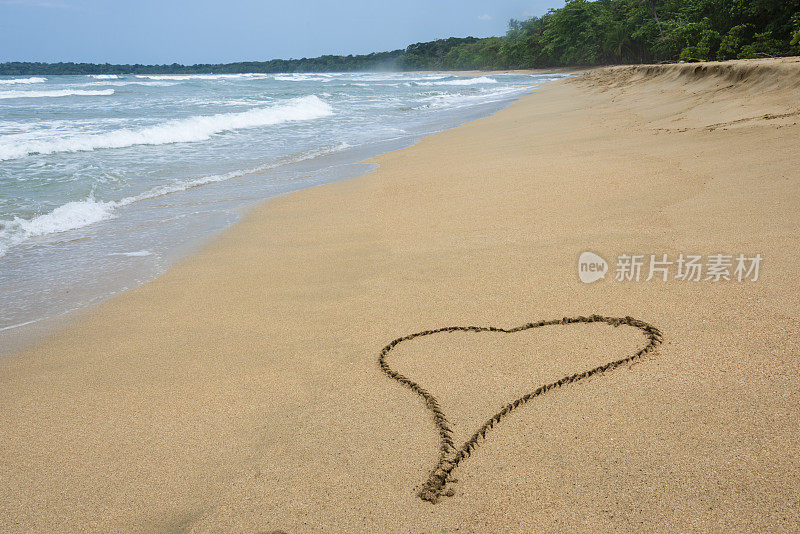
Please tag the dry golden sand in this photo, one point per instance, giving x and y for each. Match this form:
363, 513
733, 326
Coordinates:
241, 391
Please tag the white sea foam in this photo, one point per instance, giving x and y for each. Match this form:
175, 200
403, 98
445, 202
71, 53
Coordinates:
135, 254
191, 129
180, 77
295, 77
184, 185
22, 80
68, 216
460, 81
78, 214
104, 76
457, 100
54, 93
117, 83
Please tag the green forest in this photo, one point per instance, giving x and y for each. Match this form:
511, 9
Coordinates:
581, 33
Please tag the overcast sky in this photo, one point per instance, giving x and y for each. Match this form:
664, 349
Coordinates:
218, 31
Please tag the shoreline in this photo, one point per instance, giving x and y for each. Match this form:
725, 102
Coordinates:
21, 337
18, 337
241, 391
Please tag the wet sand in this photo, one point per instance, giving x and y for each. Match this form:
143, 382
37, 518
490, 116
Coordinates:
241, 391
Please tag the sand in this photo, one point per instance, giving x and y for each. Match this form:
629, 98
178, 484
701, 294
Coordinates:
241, 392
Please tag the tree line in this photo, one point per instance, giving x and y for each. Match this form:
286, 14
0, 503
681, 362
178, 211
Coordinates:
581, 33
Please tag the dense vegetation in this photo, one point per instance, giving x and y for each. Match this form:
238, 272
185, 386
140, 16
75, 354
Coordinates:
582, 32
646, 31
379, 60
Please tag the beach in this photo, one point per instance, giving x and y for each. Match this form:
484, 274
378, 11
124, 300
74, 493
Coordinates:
106, 180
241, 390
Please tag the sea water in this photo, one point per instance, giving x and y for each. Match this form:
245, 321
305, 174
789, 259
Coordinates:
105, 179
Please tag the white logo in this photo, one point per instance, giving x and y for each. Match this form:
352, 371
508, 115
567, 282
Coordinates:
591, 267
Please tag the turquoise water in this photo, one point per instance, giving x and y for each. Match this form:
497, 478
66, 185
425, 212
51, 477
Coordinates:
104, 180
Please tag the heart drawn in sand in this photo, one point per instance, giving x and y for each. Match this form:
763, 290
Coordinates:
449, 456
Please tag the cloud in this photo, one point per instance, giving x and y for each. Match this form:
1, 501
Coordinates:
484, 17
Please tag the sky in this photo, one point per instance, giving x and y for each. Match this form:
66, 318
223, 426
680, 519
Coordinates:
221, 31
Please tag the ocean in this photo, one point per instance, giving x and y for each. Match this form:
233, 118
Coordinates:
105, 180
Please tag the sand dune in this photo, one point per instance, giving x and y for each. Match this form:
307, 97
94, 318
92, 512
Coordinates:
241, 391
706, 95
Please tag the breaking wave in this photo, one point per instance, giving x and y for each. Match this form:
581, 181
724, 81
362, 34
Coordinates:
296, 77
460, 81
23, 80
254, 75
54, 93
118, 83
74, 215
66, 217
191, 129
